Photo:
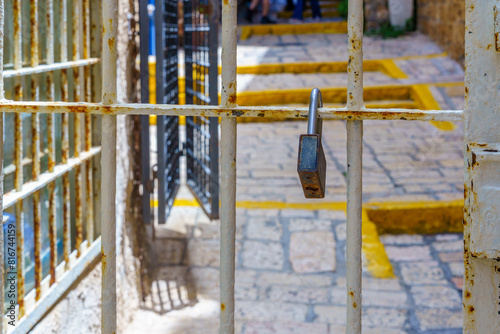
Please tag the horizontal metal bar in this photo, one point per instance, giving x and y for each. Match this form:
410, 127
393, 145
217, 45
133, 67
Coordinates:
29, 188
219, 111
49, 67
82, 266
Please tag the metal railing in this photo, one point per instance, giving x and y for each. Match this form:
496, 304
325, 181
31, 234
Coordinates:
62, 150
228, 110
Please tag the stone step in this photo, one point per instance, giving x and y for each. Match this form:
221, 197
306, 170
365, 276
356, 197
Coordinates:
329, 13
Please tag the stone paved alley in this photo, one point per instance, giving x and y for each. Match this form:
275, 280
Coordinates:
290, 257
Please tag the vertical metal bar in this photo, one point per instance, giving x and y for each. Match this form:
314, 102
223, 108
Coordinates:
65, 135
76, 12
108, 162
213, 87
89, 200
481, 291
228, 168
160, 99
35, 148
145, 158
18, 157
2, 97
354, 167
51, 142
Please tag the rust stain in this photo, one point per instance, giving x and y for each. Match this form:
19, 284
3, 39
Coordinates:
37, 222
111, 43
471, 309
354, 305
222, 306
467, 294
226, 2
351, 293
232, 98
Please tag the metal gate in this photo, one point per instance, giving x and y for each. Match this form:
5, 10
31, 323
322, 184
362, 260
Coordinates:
202, 133
482, 146
201, 71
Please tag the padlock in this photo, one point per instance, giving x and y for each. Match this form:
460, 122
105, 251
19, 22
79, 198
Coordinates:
311, 165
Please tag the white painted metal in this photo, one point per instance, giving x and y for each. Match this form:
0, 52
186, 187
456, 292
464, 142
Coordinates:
108, 167
228, 169
235, 111
354, 167
482, 173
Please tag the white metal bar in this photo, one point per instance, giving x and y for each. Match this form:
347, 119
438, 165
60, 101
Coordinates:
108, 165
232, 111
228, 168
354, 167
50, 67
481, 290
14, 197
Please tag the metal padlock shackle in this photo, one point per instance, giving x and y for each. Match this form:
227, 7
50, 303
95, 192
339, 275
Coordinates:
315, 102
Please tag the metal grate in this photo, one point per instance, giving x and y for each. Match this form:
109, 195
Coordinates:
51, 161
167, 92
202, 133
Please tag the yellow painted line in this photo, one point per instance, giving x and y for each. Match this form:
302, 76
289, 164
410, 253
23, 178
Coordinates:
386, 66
425, 100
294, 29
377, 261
389, 67
429, 56
427, 217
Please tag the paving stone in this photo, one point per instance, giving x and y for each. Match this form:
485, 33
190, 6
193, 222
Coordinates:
269, 311
264, 228
456, 268
458, 282
373, 298
418, 273
332, 214
341, 231
297, 213
439, 319
451, 256
271, 278
384, 317
412, 253
263, 255
309, 225
297, 294
202, 252
312, 252
330, 314
271, 327
436, 296
402, 239
378, 284
453, 246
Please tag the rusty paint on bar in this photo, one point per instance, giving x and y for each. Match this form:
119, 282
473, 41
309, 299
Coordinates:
37, 222
108, 167
237, 111
51, 67
63, 10
60, 170
354, 147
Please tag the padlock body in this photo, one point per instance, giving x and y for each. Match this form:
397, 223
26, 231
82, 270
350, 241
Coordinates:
311, 166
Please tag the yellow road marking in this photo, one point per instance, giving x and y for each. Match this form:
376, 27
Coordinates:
425, 100
294, 29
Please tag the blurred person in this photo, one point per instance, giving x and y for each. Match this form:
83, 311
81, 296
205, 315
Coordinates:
298, 15
266, 6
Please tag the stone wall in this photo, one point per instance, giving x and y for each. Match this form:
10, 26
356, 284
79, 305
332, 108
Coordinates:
444, 22
376, 14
